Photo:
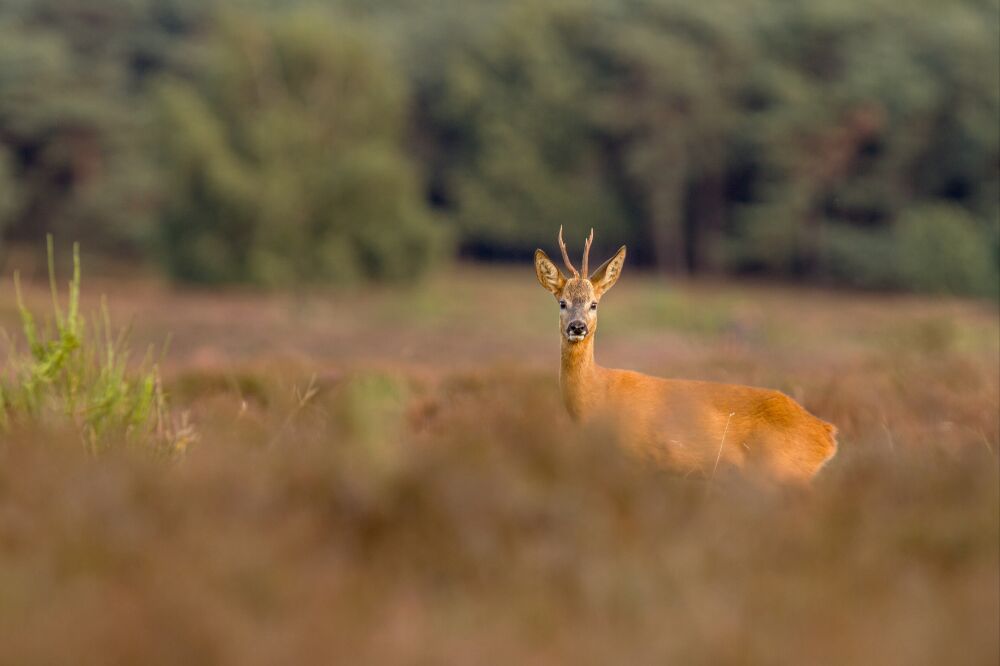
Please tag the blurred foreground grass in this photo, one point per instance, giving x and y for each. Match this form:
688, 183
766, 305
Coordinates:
389, 476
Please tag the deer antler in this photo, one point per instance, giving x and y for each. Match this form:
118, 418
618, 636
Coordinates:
569, 265
586, 253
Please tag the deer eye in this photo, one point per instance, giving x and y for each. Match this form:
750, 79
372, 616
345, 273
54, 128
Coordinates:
562, 305
593, 306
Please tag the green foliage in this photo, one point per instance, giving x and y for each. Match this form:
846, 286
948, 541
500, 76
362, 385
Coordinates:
8, 192
515, 103
282, 160
335, 143
860, 257
718, 136
80, 375
942, 249
71, 137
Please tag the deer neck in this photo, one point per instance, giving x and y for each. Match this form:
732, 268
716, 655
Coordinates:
579, 376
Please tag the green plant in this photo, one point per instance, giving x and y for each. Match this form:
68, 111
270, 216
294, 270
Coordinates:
284, 160
81, 375
941, 249
860, 257
8, 191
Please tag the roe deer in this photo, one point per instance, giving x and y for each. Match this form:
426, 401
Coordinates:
686, 426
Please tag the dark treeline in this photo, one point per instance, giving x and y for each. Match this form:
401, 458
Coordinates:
842, 141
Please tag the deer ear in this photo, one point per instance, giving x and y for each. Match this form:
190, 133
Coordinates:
548, 275
607, 274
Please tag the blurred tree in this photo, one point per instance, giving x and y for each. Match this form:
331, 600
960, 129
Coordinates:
283, 162
666, 76
941, 249
70, 119
794, 138
770, 136
52, 124
518, 156
8, 192
859, 110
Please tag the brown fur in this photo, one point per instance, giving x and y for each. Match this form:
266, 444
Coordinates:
686, 426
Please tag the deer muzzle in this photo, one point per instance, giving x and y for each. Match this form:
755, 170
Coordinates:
576, 330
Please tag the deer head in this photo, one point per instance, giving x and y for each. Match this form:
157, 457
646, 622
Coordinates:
579, 295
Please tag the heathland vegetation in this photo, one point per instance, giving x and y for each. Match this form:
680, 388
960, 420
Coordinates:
836, 141
390, 474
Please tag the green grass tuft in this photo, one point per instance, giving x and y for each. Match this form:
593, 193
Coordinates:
79, 375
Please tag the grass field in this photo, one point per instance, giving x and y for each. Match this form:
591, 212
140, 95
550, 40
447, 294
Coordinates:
388, 476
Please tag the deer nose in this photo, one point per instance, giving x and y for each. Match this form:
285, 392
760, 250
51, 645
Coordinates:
576, 328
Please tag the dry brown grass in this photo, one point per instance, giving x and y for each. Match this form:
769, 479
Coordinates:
431, 503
